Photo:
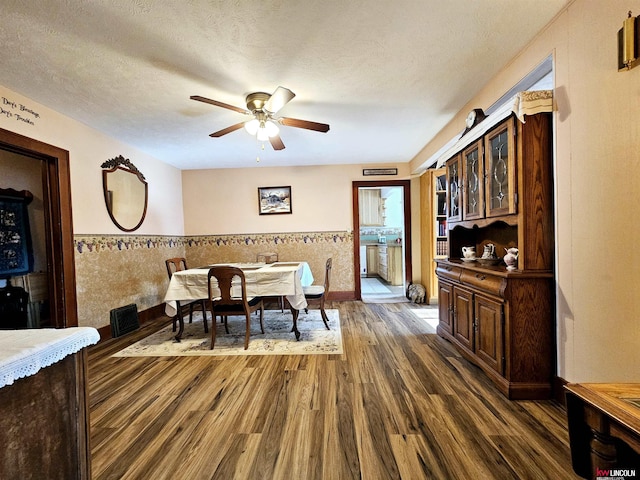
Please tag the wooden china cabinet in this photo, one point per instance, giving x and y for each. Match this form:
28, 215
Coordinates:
500, 192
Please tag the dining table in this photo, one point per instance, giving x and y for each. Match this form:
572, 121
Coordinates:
278, 279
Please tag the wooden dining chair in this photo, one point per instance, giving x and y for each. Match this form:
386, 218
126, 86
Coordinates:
318, 293
270, 257
177, 264
224, 303
267, 257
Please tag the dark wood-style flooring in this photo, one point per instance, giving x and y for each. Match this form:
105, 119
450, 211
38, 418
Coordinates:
399, 403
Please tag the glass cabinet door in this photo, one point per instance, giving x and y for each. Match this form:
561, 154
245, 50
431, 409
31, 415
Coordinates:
500, 172
473, 175
454, 190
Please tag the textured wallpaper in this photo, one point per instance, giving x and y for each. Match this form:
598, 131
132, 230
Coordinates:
116, 270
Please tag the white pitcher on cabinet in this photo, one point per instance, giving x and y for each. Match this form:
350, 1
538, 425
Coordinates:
511, 258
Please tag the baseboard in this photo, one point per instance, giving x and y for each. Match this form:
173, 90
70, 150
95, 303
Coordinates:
105, 333
151, 313
341, 296
144, 316
558, 390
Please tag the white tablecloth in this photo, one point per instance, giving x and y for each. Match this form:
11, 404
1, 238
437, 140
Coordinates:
25, 352
263, 280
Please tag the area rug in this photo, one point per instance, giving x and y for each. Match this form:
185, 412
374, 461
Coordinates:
277, 338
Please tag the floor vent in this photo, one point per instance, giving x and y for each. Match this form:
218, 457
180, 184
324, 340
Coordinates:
124, 320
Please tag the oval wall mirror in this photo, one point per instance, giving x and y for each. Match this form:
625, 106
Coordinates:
125, 193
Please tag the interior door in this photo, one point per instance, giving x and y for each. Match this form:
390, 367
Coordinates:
58, 228
406, 195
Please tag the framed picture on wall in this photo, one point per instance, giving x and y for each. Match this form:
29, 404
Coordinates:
274, 200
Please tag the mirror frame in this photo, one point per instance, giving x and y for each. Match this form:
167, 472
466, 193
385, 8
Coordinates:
124, 164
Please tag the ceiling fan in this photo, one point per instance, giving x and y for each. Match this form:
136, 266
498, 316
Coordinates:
264, 124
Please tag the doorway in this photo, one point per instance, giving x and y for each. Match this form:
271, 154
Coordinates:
382, 239
58, 264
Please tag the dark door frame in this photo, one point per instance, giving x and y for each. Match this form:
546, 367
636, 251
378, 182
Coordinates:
56, 188
406, 192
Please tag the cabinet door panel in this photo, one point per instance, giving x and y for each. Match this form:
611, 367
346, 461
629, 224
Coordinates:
394, 265
489, 342
463, 318
500, 168
370, 207
444, 307
372, 260
473, 176
454, 190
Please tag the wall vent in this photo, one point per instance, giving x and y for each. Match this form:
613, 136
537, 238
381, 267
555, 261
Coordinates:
124, 320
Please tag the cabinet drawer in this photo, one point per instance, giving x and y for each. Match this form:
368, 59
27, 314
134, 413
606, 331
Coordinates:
484, 281
448, 271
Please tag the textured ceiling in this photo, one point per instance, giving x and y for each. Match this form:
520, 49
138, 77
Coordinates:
386, 75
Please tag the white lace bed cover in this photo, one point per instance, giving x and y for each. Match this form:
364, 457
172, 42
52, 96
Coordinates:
25, 352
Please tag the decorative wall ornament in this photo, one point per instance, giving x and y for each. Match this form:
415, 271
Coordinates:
125, 193
124, 162
629, 43
370, 172
274, 200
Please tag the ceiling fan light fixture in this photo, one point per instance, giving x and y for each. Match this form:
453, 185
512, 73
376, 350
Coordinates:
271, 128
252, 126
266, 130
262, 134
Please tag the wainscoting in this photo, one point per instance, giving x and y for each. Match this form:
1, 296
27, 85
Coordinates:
116, 270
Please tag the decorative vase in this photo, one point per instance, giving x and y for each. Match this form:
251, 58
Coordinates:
511, 258
489, 251
469, 252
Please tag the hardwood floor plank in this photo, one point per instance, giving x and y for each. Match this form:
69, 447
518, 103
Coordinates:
374, 447
240, 455
525, 461
162, 460
413, 458
340, 457
399, 403
274, 428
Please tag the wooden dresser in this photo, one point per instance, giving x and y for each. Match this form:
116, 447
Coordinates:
44, 416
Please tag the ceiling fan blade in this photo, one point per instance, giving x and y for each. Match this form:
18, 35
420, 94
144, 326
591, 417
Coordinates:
219, 104
276, 142
294, 122
230, 129
279, 99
